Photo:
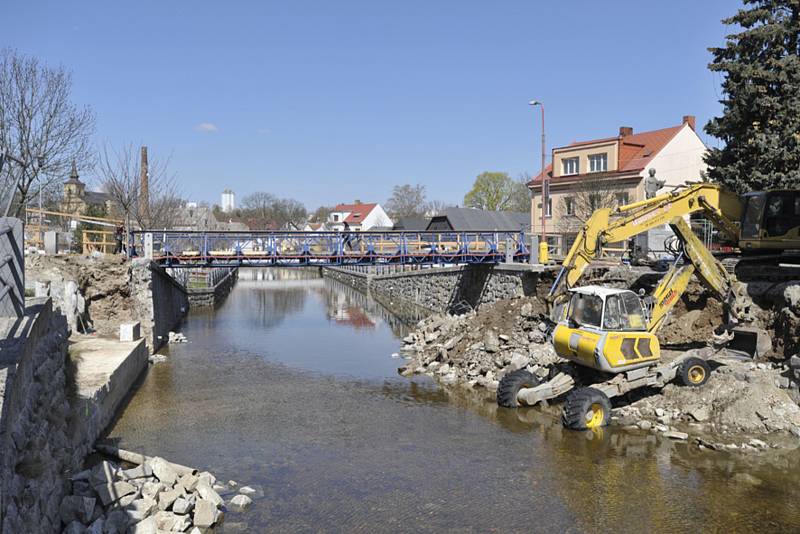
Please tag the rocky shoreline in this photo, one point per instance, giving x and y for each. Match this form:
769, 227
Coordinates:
152, 497
745, 406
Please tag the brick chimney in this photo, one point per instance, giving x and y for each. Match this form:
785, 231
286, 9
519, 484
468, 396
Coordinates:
689, 119
625, 131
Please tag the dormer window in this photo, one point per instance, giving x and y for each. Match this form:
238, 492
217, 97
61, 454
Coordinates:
570, 166
598, 162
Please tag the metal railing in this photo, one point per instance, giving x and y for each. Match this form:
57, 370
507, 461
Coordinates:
12, 268
193, 248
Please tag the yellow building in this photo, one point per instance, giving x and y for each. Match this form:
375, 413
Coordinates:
77, 200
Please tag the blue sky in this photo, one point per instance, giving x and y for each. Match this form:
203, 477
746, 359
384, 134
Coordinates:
328, 102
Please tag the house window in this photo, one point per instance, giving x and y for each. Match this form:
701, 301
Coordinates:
623, 198
549, 211
335, 217
569, 206
594, 202
598, 162
569, 166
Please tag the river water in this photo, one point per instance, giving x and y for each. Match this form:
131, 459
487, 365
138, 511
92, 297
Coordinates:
290, 385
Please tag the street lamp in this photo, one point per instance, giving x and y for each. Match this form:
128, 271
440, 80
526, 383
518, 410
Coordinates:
543, 253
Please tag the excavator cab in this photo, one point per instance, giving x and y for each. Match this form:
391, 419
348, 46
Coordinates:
605, 329
771, 221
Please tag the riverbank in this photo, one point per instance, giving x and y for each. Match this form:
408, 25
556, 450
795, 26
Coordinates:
745, 406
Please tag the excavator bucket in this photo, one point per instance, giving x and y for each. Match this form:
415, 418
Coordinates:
750, 342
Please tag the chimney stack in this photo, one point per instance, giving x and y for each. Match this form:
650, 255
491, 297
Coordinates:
625, 131
689, 119
144, 186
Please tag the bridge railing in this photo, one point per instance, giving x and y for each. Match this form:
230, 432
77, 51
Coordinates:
174, 247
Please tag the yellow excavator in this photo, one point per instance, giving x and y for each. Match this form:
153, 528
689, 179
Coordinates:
613, 331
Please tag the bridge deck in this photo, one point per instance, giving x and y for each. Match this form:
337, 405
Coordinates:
242, 249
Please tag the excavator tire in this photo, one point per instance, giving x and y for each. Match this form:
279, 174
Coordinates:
694, 372
586, 408
510, 385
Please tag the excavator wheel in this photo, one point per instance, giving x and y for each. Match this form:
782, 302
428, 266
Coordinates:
510, 385
694, 372
586, 408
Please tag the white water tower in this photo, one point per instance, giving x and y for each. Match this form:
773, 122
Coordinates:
228, 201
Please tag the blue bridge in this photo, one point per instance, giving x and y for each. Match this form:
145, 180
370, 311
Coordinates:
175, 248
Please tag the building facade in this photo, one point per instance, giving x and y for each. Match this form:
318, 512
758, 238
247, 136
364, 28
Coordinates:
228, 201
359, 217
609, 172
77, 200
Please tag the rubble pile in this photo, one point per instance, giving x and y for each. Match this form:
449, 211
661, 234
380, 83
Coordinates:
479, 348
739, 398
156, 496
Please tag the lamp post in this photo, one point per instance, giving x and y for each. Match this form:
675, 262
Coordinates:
543, 252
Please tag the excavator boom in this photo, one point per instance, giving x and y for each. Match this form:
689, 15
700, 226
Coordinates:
607, 226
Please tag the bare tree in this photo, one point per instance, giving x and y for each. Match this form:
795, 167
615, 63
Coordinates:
406, 201
581, 200
267, 211
39, 126
120, 177
437, 207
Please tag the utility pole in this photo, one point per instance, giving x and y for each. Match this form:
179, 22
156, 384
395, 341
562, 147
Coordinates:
543, 250
144, 188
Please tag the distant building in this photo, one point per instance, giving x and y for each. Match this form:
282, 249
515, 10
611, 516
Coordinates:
194, 216
228, 201
359, 217
471, 220
77, 200
412, 224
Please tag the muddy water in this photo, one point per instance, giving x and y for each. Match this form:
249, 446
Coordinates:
290, 385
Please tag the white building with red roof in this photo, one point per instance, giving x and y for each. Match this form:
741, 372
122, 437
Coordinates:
359, 217
586, 175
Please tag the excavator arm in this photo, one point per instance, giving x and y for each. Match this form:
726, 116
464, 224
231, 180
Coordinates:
699, 262
607, 226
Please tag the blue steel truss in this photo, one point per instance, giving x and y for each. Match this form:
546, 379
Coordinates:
293, 249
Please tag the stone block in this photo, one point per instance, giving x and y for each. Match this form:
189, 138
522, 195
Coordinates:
113, 492
207, 493
130, 331
182, 506
205, 513
166, 498
50, 243
240, 503
164, 471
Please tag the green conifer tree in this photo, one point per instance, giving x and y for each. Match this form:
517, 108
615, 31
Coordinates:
760, 123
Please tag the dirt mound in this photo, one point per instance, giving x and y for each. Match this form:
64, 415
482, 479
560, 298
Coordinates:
103, 284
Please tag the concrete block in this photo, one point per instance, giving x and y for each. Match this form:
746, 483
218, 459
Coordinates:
50, 243
130, 331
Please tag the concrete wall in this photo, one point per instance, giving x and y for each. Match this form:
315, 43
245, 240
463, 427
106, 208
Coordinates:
161, 301
210, 297
446, 289
37, 450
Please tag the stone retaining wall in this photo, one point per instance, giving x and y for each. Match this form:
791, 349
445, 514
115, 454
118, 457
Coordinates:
210, 297
445, 289
37, 450
161, 301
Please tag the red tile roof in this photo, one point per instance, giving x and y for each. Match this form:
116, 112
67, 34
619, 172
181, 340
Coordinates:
635, 152
358, 212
